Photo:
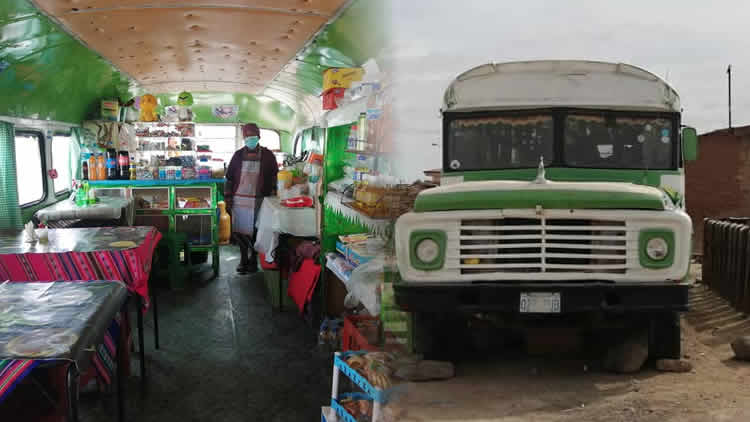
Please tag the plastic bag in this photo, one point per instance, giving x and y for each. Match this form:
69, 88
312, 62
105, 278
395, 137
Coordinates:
365, 282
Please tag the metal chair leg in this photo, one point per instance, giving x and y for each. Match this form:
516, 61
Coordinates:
141, 346
72, 380
156, 318
121, 374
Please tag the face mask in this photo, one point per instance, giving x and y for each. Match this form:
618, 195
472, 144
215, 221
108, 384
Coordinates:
252, 141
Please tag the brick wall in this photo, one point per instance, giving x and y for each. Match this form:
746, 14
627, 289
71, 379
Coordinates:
718, 183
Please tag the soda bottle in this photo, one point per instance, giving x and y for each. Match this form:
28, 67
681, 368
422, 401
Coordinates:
123, 162
101, 167
112, 173
85, 170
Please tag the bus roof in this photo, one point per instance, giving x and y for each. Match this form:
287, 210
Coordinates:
560, 83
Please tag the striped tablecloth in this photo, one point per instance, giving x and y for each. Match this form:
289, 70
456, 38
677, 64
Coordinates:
120, 253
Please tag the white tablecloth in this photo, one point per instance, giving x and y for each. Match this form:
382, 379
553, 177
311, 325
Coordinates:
273, 219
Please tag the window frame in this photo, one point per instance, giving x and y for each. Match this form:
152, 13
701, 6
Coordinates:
69, 189
559, 115
43, 158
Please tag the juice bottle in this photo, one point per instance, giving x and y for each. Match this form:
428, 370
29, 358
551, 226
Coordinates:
101, 167
92, 167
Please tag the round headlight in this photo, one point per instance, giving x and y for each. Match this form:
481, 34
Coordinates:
657, 249
428, 251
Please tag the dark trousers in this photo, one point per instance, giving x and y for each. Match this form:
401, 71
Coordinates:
247, 250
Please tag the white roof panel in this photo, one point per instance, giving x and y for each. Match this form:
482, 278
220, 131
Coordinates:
560, 83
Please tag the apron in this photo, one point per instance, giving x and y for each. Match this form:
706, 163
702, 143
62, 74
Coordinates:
246, 201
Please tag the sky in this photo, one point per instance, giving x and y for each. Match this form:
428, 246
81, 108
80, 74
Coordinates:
687, 42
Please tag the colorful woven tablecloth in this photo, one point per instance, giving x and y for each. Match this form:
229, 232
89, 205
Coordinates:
115, 253
51, 322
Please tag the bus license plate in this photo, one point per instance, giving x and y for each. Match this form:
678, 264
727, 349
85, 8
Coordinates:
540, 303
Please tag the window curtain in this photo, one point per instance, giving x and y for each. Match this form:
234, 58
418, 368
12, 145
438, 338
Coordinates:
74, 161
10, 211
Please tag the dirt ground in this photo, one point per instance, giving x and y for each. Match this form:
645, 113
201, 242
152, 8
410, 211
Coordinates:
524, 388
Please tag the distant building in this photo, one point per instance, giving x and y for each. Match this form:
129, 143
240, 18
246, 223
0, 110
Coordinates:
718, 183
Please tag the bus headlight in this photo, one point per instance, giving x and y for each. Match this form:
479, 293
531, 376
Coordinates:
657, 248
428, 251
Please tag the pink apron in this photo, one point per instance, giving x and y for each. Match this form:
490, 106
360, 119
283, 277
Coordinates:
246, 201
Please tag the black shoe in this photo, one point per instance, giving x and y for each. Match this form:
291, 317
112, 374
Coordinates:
243, 269
253, 265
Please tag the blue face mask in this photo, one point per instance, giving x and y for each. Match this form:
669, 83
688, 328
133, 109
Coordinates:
252, 141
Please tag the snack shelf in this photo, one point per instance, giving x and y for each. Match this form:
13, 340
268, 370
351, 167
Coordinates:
369, 392
342, 413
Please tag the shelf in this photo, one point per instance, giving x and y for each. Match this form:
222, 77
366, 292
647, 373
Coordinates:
184, 182
373, 393
162, 123
353, 151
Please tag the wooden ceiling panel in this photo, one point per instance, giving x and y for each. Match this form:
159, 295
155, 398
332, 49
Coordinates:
61, 7
237, 47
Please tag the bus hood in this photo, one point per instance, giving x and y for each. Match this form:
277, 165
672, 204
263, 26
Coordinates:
502, 194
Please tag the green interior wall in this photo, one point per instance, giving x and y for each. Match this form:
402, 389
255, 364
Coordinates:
47, 74
335, 224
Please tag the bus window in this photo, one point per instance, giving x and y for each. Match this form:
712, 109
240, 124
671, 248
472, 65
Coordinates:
270, 139
29, 169
61, 162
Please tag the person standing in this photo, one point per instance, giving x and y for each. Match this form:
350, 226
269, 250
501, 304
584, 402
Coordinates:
251, 176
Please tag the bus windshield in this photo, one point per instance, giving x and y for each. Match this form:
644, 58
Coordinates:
605, 141
485, 143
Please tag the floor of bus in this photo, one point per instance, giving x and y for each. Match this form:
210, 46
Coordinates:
224, 355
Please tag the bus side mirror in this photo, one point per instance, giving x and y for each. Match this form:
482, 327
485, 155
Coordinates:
689, 144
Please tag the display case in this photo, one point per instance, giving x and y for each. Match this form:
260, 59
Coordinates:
176, 206
160, 221
193, 198
151, 198
198, 228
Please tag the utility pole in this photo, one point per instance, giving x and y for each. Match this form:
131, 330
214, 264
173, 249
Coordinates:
729, 80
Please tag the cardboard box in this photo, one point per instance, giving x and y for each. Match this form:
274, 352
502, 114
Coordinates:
110, 110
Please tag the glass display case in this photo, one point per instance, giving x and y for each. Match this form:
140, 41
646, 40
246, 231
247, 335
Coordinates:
192, 198
176, 206
113, 193
151, 198
160, 221
199, 228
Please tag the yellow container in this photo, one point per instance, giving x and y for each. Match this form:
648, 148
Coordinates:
341, 77
286, 177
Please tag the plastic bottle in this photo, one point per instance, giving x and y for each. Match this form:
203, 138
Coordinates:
101, 167
112, 173
123, 161
92, 167
225, 223
85, 170
90, 194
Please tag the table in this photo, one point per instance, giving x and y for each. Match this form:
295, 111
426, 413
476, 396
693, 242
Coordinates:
274, 219
56, 323
108, 208
87, 254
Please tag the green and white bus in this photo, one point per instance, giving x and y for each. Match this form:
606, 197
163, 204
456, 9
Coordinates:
562, 195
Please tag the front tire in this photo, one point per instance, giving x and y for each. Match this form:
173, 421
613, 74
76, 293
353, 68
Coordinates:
665, 336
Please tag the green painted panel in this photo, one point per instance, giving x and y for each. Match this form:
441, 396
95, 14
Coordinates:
47, 74
548, 199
